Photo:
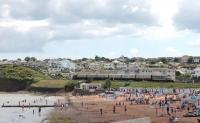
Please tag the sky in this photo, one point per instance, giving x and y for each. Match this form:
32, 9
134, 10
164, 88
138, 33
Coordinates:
108, 28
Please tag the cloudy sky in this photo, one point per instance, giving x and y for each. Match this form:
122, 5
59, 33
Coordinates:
109, 28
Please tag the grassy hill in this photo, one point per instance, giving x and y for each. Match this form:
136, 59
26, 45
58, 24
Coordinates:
14, 77
20, 73
52, 83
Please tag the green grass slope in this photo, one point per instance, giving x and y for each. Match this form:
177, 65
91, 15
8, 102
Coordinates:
20, 73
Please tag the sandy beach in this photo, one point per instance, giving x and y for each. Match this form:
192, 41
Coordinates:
86, 109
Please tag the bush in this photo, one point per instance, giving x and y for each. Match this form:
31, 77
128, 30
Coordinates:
126, 84
107, 84
70, 86
20, 73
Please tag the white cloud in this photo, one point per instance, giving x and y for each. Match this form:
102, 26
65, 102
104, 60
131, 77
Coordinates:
28, 25
171, 51
13, 40
27, 22
134, 51
195, 43
188, 16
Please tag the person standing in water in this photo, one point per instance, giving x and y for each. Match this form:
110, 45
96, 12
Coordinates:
39, 110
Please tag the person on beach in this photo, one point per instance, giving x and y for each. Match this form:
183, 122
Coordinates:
156, 110
33, 111
160, 104
114, 108
101, 111
125, 109
168, 110
188, 108
172, 110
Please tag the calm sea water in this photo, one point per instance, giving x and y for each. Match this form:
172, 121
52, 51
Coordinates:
26, 115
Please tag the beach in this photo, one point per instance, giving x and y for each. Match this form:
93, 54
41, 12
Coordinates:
87, 109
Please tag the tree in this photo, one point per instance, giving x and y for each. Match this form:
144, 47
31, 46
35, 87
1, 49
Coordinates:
27, 59
33, 59
163, 60
5, 60
152, 62
89, 80
127, 84
107, 84
18, 59
97, 58
178, 73
176, 60
84, 59
190, 60
70, 86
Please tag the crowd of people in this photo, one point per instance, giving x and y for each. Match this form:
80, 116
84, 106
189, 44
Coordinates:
168, 101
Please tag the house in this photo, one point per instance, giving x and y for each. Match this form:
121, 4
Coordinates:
95, 66
79, 67
36, 64
184, 59
196, 72
163, 74
131, 67
120, 65
196, 60
108, 66
55, 70
90, 86
57, 66
185, 70
158, 74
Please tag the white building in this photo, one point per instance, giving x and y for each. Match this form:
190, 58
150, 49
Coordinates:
79, 67
160, 74
184, 59
120, 65
108, 66
57, 66
185, 70
88, 86
95, 66
36, 64
155, 73
196, 72
55, 70
132, 67
196, 60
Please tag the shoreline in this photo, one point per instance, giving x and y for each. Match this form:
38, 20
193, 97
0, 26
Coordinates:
35, 93
26, 98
